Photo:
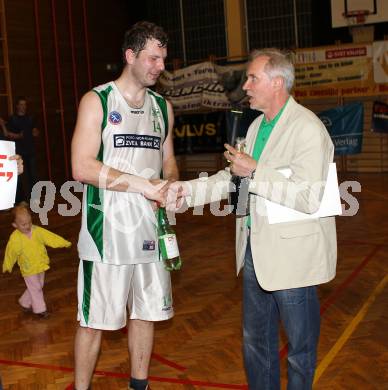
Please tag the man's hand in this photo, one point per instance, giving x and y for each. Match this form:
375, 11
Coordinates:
176, 195
241, 164
19, 162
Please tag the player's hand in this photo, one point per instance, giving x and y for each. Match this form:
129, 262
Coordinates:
156, 189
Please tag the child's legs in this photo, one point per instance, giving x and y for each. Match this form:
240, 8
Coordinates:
34, 285
25, 300
41, 279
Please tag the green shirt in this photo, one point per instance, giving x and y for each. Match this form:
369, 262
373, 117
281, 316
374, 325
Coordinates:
263, 135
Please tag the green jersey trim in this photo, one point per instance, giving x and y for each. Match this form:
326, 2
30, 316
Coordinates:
95, 216
95, 197
103, 95
87, 271
161, 101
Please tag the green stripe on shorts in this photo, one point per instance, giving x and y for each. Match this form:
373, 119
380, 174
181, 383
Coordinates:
87, 270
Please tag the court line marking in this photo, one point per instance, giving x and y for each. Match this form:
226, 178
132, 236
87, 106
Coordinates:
158, 357
376, 193
124, 375
328, 302
167, 362
350, 329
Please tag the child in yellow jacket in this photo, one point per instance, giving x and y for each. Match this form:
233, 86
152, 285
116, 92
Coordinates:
27, 247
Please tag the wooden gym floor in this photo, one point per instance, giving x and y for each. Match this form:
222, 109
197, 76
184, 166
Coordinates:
201, 347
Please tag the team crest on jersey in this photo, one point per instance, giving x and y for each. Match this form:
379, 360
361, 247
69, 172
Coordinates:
155, 120
115, 118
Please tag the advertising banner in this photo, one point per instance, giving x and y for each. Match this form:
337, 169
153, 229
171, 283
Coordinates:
345, 126
380, 62
323, 72
334, 71
199, 133
204, 86
380, 117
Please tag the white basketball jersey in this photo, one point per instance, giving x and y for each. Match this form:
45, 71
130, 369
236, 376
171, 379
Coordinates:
120, 227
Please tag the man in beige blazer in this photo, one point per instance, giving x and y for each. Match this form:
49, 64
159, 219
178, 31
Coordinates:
282, 263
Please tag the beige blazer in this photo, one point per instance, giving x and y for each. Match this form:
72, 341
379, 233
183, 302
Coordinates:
292, 254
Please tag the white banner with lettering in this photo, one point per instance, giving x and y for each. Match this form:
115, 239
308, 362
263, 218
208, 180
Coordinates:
8, 175
203, 86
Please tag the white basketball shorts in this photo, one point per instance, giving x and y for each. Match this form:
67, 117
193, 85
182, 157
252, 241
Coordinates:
106, 291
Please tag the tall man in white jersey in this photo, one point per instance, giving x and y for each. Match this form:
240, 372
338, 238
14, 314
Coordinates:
121, 148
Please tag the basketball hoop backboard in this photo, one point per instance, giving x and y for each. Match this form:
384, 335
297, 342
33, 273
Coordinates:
358, 12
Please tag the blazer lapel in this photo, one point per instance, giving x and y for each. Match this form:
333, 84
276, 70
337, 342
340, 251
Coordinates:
252, 135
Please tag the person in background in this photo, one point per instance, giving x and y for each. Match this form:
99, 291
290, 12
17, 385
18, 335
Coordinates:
3, 130
27, 247
22, 129
282, 263
122, 147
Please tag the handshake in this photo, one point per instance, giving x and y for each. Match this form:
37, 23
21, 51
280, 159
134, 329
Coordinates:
169, 194
172, 194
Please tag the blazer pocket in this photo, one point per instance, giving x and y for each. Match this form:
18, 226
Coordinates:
305, 229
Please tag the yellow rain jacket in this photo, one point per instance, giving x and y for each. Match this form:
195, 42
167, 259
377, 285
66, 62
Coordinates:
30, 253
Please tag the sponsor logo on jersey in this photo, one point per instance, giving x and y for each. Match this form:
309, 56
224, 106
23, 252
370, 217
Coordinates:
136, 141
114, 117
148, 245
138, 112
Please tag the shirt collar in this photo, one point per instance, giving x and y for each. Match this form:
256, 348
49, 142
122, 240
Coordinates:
273, 122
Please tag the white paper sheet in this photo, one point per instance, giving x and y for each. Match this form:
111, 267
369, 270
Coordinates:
8, 175
330, 204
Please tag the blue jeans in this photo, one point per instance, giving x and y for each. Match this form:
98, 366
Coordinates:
298, 309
